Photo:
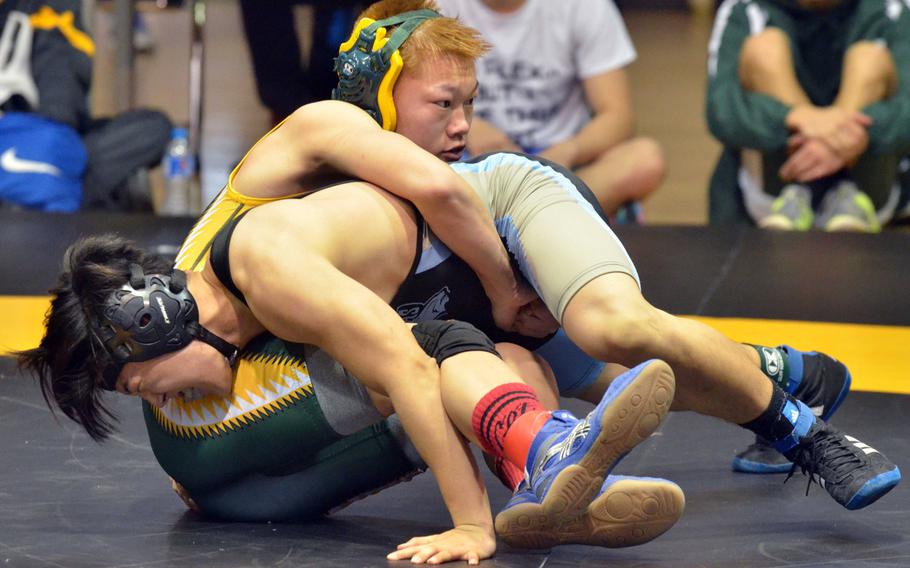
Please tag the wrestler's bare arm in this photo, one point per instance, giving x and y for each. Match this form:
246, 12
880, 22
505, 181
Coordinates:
334, 136
298, 263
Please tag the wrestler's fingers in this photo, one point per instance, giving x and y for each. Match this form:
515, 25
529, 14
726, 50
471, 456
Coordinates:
425, 552
440, 557
418, 540
402, 553
415, 552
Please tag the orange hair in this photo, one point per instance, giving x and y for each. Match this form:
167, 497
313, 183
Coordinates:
437, 37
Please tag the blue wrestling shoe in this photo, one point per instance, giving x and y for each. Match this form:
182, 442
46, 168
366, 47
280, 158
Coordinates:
852, 472
627, 511
822, 382
569, 458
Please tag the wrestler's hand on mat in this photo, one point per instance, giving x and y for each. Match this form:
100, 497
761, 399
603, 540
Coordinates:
465, 542
535, 320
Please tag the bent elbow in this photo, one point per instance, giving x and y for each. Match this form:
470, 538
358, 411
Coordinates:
437, 189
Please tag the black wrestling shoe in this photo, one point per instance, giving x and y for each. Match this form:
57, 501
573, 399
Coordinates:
822, 382
853, 473
760, 457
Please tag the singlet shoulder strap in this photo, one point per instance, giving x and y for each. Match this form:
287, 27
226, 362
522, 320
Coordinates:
219, 258
421, 236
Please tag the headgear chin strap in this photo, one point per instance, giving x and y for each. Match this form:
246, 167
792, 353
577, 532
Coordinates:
149, 316
368, 64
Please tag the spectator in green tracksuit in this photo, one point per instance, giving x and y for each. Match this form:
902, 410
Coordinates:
811, 99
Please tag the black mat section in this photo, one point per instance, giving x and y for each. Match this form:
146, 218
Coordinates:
32, 244
747, 272
711, 271
67, 502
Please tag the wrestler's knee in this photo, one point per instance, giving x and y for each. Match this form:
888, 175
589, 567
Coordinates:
622, 328
629, 334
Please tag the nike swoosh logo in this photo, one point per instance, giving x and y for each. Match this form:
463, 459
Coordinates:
15, 165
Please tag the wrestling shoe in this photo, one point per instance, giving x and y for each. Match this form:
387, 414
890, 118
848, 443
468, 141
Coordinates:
820, 381
760, 457
569, 458
791, 211
853, 473
626, 512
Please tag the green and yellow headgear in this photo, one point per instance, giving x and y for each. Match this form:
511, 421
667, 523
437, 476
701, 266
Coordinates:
368, 63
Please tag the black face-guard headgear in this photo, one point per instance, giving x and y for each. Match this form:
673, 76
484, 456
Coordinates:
150, 316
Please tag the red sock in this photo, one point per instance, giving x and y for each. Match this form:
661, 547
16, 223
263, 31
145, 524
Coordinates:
506, 420
508, 473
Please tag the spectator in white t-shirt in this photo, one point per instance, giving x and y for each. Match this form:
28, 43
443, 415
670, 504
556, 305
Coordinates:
555, 84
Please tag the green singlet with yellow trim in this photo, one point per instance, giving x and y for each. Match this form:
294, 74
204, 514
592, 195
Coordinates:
266, 453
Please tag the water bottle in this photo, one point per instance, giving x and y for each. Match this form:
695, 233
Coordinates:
178, 167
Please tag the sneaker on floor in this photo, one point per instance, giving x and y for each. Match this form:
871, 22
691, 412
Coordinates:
626, 512
569, 458
846, 208
791, 211
822, 382
853, 473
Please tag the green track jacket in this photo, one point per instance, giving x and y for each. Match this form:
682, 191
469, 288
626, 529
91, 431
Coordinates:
741, 119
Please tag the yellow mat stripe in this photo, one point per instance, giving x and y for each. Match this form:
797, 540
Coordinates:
22, 321
878, 355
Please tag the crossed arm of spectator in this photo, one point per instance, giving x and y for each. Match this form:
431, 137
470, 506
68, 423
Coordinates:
824, 140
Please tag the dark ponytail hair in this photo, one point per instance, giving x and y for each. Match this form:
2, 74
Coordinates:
70, 360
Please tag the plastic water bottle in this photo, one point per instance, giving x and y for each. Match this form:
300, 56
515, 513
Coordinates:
178, 167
